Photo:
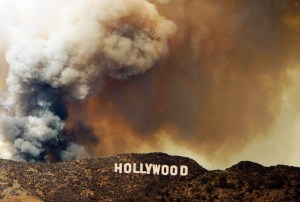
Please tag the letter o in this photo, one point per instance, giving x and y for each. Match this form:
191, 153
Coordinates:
173, 170
127, 168
165, 170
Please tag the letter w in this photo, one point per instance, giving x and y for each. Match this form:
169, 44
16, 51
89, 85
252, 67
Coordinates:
156, 169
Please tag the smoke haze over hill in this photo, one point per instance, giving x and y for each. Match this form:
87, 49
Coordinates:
214, 78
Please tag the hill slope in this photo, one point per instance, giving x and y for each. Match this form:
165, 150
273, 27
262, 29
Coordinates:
96, 180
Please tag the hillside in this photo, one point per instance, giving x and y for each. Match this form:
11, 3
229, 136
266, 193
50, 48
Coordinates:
95, 180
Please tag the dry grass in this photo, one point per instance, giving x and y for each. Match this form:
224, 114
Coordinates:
94, 180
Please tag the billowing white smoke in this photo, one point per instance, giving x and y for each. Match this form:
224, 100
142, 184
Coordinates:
94, 39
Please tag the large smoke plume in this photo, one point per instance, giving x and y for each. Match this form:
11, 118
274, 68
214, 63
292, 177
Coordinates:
219, 90
207, 75
95, 40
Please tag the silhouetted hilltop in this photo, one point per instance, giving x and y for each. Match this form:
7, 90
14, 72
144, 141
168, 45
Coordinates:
96, 180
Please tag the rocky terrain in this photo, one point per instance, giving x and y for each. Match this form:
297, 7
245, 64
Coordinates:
95, 180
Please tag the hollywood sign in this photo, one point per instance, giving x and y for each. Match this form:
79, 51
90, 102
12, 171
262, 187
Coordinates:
154, 169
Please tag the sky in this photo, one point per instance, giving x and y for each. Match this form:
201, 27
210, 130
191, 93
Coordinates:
216, 81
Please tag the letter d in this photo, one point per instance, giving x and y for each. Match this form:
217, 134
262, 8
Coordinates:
184, 170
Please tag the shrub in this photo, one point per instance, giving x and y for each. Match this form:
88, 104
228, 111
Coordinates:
249, 189
222, 182
204, 180
209, 189
275, 184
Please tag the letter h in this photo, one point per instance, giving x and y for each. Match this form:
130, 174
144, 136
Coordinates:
118, 168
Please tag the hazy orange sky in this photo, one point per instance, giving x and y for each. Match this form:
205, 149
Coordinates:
226, 91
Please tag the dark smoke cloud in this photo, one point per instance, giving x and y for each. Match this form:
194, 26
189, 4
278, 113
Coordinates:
219, 89
95, 39
83, 135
